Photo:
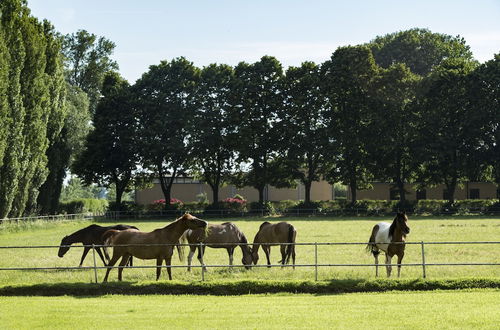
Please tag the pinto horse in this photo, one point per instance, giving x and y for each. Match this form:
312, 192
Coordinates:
224, 236
384, 235
128, 243
270, 234
88, 236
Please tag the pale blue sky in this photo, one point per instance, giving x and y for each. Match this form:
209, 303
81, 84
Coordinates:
230, 31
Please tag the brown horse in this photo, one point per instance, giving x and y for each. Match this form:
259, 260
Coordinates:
281, 232
384, 235
137, 244
224, 236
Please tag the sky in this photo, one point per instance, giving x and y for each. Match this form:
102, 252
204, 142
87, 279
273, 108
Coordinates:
230, 31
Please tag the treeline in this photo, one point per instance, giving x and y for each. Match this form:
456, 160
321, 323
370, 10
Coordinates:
412, 106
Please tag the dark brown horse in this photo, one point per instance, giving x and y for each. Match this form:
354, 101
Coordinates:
224, 236
88, 236
384, 235
281, 232
147, 245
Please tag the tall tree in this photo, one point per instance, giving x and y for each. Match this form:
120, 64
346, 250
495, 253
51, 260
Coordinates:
211, 132
484, 93
88, 59
394, 126
64, 148
110, 155
303, 125
256, 102
348, 85
419, 49
448, 126
165, 105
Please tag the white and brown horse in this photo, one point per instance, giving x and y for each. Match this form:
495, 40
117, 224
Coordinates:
135, 243
272, 234
383, 237
224, 236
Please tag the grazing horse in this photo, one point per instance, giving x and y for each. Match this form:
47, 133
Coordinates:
224, 236
281, 232
88, 236
130, 243
384, 235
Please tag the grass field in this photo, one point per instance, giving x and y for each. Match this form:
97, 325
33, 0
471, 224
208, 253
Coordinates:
392, 310
309, 230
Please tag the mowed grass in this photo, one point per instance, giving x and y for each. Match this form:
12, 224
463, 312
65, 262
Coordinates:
390, 310
310, 230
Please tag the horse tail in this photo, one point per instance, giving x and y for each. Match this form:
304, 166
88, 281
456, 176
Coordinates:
290, 247
108, 235
371, 247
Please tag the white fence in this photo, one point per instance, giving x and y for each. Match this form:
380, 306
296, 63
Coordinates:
316, 265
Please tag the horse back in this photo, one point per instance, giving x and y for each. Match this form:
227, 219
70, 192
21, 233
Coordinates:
382, 237
226, 232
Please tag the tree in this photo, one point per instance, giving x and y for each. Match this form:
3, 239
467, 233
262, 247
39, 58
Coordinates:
348, 81
419, 49
484, 93
448, 126
303, 125
165, 106
256, 101
210, 135
88, 59
110, 155
35, 103
63, 150
394, 126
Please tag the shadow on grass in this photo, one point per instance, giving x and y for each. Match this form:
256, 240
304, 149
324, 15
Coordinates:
243, 287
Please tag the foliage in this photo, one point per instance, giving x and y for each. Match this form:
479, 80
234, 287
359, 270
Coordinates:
88, 60
86, 205
419, 49
158, 205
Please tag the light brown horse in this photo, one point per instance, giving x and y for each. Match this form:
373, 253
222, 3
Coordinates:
224, 236
281, 232
383, 236
169, 234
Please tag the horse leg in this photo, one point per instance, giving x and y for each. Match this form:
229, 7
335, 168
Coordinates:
110, 265
190, 257
388, 265
230, 252
267, 251
159, 261
293, 255
85, 251
375, 255
400, 258
283, 254
201, 253
98, 250
168, 262
122, 264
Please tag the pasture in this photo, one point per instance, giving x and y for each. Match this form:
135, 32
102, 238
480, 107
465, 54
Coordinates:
309, 230
467, 309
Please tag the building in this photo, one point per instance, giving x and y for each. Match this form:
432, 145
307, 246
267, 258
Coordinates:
187, 189
470, 190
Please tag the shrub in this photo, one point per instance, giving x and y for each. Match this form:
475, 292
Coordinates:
266, 208
84, 205
235, 204
159, 204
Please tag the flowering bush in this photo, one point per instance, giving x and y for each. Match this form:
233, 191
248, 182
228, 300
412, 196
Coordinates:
236, 203
159, 204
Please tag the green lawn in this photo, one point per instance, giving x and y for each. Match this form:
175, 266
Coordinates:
309, 230
391, 310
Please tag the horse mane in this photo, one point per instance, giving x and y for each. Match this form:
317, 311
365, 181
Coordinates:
264, 224
392, 228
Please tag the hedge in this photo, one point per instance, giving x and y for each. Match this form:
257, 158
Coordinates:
84, 205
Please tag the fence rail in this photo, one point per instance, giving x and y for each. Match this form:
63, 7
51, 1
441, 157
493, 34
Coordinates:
316, 265
56, 217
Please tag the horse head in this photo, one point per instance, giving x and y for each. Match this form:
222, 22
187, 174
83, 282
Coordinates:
247, 258
255, 255
193, 222
402, 221
64, 247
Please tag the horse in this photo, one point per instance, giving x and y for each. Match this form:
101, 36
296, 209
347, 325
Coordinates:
281, 232
88, 236
128, 243
383, 236
224, 236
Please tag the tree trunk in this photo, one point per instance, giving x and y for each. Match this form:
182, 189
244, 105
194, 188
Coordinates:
353, 186
261, 194
307, 192
215, 193
401, 189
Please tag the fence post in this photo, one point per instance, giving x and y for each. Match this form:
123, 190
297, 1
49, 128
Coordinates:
202, 263
95, 265
423, 258
316, 261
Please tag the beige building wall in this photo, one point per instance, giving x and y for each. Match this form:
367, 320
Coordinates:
187, 192
381, 191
